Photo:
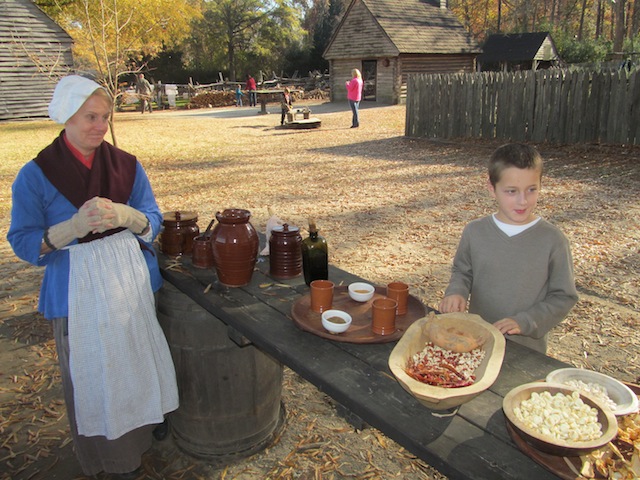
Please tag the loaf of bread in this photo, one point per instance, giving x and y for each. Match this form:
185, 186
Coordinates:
451, 337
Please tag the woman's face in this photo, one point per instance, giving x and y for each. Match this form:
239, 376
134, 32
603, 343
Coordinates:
87, 127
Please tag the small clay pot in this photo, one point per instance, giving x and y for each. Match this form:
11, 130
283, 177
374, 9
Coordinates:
285, 252
180, 228
202, 254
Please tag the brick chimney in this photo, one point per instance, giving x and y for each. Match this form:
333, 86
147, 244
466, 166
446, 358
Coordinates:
443, 4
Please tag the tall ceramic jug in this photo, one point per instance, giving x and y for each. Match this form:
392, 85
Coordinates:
235, 247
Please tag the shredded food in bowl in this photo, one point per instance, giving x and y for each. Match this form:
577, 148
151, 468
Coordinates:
437, 366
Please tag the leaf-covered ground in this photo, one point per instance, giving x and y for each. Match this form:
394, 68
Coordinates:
391, 208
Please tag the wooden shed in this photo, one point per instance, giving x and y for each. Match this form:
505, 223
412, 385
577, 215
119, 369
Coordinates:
34, 52
518, 51
390, 39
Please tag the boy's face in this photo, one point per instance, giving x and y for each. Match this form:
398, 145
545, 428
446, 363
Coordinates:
517, 195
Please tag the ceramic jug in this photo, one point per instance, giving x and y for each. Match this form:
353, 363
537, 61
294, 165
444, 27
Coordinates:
235, 247
180, 228
285, 253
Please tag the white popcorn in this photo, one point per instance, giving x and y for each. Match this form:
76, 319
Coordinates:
562, 417
595, 390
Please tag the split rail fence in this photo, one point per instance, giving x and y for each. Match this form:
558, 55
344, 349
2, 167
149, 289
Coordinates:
553, 106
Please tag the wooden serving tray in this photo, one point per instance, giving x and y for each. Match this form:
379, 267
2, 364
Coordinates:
360, 329
556, 464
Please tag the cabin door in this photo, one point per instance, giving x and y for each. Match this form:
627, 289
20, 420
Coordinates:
369, 73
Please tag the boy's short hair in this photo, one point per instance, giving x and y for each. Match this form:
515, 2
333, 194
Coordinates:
517, 155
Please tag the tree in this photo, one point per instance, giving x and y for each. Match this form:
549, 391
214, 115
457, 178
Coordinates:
597, 23
241, 34
321, 21
112, 36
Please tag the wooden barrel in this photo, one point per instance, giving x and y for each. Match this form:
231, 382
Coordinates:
230, 396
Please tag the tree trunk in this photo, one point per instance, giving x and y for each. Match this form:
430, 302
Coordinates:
619, 24
114, 142
582, 13
599, 19
635, 20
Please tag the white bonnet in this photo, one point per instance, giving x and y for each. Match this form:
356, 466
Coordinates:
69, 95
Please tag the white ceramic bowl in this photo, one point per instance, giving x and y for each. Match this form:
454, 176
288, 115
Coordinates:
547, 443
361, 292
623, 396
336, 321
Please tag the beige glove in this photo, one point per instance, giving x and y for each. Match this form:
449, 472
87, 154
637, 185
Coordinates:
121, 215
89, 217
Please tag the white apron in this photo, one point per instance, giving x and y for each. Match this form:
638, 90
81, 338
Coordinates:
121, 368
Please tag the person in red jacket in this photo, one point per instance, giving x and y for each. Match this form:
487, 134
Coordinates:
251, 87
354, 94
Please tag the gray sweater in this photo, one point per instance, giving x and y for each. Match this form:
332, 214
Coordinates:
527, 277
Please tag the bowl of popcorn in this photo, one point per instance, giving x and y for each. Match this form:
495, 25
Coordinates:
608, 391
446, 360
558, 419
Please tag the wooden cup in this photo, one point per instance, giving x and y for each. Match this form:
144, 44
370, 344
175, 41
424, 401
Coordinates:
384, 316
399, 291
321, 295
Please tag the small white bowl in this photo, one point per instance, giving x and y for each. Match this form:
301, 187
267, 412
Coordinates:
623, 396
336, 321
361, 292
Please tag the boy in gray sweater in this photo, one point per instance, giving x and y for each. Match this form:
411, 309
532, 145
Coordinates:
514, 268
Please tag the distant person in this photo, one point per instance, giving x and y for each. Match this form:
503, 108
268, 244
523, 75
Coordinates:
514, 268
252, 89
85, 211
354, 94
158, 94
144, 90
239, 96
286, 104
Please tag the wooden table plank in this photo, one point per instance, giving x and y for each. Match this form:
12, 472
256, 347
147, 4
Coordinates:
472, 444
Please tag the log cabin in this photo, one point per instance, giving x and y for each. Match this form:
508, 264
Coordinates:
34, 53
390, 39
518, 51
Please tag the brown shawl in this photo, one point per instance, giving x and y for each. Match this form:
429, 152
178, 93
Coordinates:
111, 176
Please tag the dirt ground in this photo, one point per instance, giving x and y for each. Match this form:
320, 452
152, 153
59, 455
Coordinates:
391, 208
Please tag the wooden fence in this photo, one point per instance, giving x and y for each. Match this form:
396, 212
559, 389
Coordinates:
554, 106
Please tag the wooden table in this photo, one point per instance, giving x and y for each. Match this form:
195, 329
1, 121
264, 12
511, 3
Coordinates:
263, 96
472, 444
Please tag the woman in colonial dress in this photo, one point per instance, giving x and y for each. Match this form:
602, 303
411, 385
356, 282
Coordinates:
85, 211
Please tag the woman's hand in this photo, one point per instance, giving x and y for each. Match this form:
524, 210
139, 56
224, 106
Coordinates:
89, 218
116, 215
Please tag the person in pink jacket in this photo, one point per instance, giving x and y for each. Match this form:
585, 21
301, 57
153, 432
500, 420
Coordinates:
354, 94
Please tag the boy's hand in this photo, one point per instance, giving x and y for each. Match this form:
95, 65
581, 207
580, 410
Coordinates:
453, 303
508, 326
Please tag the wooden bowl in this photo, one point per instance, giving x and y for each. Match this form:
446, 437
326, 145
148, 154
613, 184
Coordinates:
413, 341
550, 444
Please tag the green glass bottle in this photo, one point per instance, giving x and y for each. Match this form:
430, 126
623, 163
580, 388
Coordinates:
315, 256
